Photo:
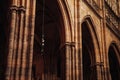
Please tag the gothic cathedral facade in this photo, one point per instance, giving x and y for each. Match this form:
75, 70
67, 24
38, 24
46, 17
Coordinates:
60, 40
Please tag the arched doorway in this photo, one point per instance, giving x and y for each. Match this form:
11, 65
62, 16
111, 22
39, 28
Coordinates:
88, 54
114, 64
50, 64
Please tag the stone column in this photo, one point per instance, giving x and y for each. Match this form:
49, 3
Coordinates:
32, 38
25, 41
13, 10
99, 66
68, 61
68, 37
77, 64
76, 40
107, 73
27, 54
20, 38
80, 62
15, 45
73, 76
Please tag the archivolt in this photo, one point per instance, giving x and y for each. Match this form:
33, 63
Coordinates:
94, 35
89, 19
66, 19
116, 48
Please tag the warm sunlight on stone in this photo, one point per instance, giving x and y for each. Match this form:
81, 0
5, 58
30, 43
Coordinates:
60, 40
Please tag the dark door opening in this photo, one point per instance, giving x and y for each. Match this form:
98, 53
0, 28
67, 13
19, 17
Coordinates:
114, 64
86, 64
88, 55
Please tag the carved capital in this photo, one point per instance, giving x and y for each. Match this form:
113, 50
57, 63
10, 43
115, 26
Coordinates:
22, 9
72, 44
97, 64
19, 9
14, 8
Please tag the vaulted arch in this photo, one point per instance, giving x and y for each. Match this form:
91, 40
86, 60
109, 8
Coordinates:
57, 31
93, 28
114, 61
90, 50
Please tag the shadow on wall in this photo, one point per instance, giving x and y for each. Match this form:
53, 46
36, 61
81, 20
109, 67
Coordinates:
4, 4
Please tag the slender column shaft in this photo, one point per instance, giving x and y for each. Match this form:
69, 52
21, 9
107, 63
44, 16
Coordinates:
13, 71
77, 65
32, 38
67, 65
11, 39
80, 53
25, 42
76, 39
28, 40
99, 67
20, 44
73, 63
68, 38
68, 61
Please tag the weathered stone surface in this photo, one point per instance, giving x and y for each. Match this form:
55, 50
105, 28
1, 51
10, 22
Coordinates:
81, 38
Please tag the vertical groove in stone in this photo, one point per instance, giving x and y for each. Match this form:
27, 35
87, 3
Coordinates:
98, 68
11, 43
20, 41
32, 38
23, 3
19, 46
25, 41
73, 64
70, 70
104, 40
14, 2
77, 40
11, 39
81, 65
15, 48
77, 63
67, 63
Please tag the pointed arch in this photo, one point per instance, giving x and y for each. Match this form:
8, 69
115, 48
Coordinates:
116, 48
90, 21
115, 45
57, 33
92, 28
90, 38
114, 60
63, 6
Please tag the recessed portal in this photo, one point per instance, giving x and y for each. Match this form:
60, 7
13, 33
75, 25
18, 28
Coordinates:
48, 65
114, 64
88, 55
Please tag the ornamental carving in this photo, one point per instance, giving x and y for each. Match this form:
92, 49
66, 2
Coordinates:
112, 20
114, 6
95, 4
